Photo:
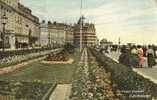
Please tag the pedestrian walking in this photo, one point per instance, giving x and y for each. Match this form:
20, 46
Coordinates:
134, 60
140, 55
124, 57
150, 56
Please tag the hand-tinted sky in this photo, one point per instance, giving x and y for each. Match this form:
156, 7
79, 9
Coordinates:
132, 20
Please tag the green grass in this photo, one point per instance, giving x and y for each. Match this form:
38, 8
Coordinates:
45, 72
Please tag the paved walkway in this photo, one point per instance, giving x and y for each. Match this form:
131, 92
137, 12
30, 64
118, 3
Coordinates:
84, 58
149, 73
84, 61
62, 92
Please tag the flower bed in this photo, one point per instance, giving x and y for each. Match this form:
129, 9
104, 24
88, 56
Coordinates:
61, 56
24, 90
129, 82
12, 60
7, 54
96, 85
12, 68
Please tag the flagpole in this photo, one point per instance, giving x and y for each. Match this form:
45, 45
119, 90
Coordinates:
81, 23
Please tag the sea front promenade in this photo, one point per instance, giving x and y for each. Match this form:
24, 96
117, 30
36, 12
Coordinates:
149, 73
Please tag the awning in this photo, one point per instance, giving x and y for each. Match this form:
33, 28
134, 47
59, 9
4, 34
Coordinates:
23, 39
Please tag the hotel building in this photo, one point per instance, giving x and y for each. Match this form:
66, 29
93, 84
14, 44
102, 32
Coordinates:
22, 28
88, 34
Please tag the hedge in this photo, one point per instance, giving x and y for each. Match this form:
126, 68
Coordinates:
6, 54
125, 78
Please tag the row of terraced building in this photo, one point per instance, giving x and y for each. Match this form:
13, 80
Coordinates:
24, 30
54, 33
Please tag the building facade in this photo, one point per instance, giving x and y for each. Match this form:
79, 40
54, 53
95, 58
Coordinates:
69, 34
88, 34
44, 34
22, 28
59, 34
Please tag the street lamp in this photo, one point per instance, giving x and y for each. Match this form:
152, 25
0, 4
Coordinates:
4, 22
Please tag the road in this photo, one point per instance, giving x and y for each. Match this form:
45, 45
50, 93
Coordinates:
149, 73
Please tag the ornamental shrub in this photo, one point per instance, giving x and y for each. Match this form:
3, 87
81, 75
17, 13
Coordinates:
125, 78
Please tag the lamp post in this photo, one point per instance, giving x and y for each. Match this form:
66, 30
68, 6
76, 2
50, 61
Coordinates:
4, 22
119, 43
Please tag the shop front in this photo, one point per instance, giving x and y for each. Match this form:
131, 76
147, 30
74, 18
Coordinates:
21, 42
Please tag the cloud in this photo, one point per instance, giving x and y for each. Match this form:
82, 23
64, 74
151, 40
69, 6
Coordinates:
133, 20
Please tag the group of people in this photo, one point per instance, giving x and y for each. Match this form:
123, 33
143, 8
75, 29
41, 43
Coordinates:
135, 56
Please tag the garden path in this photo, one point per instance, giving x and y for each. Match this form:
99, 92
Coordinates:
84, 60
149, 73
62, 92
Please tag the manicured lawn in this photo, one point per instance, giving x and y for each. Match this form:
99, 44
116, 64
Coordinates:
45, 72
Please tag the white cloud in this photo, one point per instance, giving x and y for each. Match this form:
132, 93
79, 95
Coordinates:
133, 20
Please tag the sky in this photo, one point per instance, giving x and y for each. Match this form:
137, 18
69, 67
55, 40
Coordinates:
134, 21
